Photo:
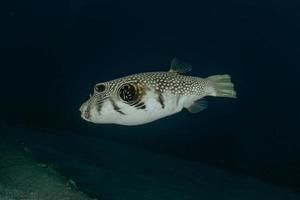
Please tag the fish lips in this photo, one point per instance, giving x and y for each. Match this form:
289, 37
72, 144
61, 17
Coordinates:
94, 102
85, 111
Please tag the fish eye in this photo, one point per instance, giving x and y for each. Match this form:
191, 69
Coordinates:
99, 88
128, 93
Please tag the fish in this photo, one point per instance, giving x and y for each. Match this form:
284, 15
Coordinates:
145, 97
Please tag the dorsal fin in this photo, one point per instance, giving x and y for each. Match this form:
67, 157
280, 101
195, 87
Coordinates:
179, 66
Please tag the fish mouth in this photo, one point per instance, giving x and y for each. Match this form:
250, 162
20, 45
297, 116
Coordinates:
85, 111
95, 103
82, 108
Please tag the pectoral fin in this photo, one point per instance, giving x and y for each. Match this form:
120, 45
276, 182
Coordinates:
197, 106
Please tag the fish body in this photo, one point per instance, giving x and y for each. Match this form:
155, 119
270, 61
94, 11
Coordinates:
145, 97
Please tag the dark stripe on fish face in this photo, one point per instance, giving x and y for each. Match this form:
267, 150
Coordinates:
143, 107
116, 107
161, 99
136, 103
140, 105
99, 105
177, 99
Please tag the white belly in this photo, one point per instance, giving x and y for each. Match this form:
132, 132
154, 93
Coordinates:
133, 116
153, 111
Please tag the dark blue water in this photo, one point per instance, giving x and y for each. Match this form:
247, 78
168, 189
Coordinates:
53, 52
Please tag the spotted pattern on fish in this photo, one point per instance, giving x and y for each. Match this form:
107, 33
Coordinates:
163, 81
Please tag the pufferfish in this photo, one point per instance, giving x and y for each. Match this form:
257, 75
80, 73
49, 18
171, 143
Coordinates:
145, 97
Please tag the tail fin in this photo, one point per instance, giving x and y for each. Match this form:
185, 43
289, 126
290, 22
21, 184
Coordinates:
221, 86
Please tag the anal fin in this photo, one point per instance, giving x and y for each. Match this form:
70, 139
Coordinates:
198, 106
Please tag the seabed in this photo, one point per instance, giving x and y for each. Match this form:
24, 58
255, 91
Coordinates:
112, 171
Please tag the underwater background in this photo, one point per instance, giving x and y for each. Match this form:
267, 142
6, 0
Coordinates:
53, 53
